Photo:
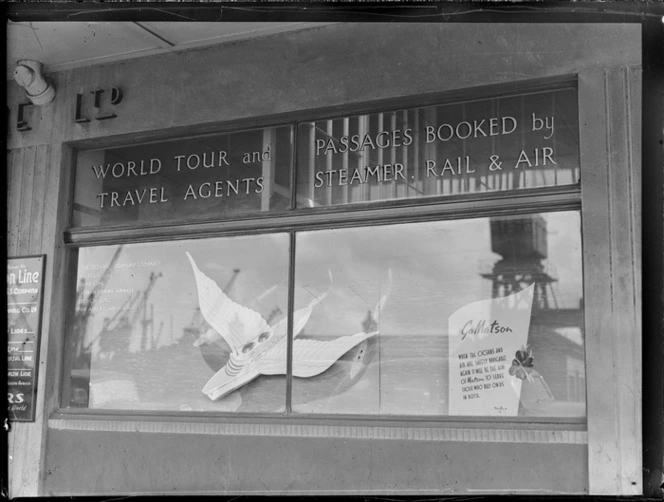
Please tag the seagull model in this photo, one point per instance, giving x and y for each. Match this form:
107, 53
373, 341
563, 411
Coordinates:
260, 349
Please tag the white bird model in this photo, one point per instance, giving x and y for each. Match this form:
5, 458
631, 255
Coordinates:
260, 349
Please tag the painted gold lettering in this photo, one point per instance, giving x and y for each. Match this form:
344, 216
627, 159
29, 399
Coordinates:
128, 198
179, 160
190, 192
477, 128
131, 168
100, 171
396, 138
446, 166
382, 139
319, 179
493, 126
355, 143
222, 158
207, 163
357, 175
372, 171
196, 164
407, 134
548, 154
329, 175
398, 171
507, 119
246, 182
469, 128
367, 141
523, 157
218, 189
204, 191
235, 188
155, 166
320, 144
430, 134
387, 172
449, 136
140, 195
101, 198
344, 144
431, 168
153, 196
118, 173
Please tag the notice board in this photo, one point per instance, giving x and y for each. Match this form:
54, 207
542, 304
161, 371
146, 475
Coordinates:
25, 285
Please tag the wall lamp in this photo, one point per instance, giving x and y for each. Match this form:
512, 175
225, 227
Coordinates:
28, 74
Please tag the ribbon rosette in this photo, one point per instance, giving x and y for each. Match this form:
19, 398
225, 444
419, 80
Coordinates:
522, 364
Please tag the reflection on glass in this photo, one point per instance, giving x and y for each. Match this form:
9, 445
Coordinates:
396, 289
484, 145
202, 178
178, 325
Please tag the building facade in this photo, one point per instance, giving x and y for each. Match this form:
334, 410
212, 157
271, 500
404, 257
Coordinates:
355, 258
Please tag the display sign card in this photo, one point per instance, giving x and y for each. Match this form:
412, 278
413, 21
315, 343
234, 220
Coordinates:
484, 337
25, 284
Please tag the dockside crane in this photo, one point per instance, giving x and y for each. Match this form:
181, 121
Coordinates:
84, 312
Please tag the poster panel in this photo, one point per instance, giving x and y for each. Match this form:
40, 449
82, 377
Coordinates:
25, 284
486, 337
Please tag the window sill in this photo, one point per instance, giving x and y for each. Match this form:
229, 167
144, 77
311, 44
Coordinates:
520, 430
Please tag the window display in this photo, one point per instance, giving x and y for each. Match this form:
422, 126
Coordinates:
477, 316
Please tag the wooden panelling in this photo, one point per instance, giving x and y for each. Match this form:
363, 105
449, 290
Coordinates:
610, 118
14, 166
37, 208
40, 175
132, 463
26, 219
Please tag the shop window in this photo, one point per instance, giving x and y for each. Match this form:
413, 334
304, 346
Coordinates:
255, 301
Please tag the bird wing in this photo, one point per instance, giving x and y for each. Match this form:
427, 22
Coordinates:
383, 299
300, 317
310, 357
235, 323
273, 361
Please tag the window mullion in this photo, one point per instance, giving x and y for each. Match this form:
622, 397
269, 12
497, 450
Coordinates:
289, 339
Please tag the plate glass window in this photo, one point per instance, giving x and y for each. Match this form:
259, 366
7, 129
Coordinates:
469, 317
154, 323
